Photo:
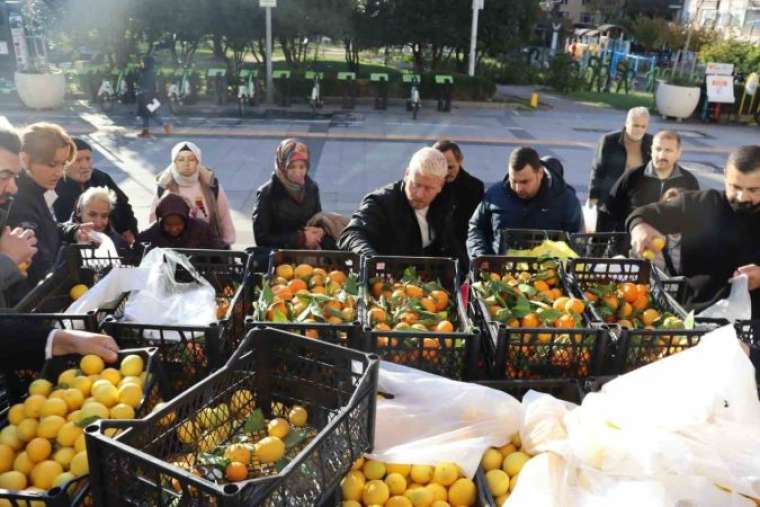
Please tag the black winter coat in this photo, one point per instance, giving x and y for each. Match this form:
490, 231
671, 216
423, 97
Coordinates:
464, 193
609, 162
278, 219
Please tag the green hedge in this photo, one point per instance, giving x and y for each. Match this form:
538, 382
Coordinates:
744, 55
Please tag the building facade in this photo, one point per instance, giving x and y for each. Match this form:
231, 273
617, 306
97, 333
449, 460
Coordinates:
733, 18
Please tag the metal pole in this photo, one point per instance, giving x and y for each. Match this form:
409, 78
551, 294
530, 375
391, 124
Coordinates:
476, 5
270, 81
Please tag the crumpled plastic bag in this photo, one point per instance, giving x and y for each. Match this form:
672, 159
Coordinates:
547, 248
590, 212
543, 421
738, 305
431, 419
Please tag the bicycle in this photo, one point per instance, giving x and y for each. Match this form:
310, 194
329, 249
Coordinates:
413, 104
247, 90
179, 91
316, 96
107, 93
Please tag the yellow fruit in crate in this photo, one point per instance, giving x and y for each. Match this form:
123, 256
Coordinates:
33, 405
439, 492
503, 498
443, 503
79, 464
54, 406
68, 434
41, 386
236, 472
395, 468
498, 482
396, 483
16, 414
58, 393
64, 478
80, 444
351, 503
74, 398
186, 432
373, 470
358, 464
514, 463
278, 428
7, 455
91, 364
64, 455
352, 486
74, 416
270, 450
38, 449
238, 452
491, 459
84, 384
27, 429
398, 501
421, 474
12, 480
112, 375
420, 497
445, 473
375, 492
105, 393
66, 378
132, 365
77, 291
241, 400
463, 492
298, 416
94, 409
131, 380
23, 464
9, 436
44, 473
122, 411
50, 425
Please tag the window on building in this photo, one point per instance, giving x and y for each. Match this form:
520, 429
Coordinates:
586, 18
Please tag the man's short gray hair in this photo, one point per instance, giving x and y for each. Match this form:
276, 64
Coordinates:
637, 112
428, 162
93, 194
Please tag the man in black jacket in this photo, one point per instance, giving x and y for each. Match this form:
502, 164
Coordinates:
620, 151
720, 231
646, 184
408, 217
81, 175
463, 190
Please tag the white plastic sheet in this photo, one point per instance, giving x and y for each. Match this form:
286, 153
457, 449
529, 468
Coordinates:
738, 305
590, 212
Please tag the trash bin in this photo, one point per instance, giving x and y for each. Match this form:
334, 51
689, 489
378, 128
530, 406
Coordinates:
381, 89
282, 85
348, 80
216, 81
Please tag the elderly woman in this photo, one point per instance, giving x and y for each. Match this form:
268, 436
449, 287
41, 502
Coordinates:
95, 206
286, 203
187, 177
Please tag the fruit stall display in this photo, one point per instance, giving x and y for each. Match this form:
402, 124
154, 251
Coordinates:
645, 322
43, 455
529, 239
414, 315
310, 293
279, 424
189, 353
535, 324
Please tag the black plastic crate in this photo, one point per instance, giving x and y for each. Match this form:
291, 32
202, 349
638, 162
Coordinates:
524, 239
601, 244
77, 491
336, 385
348, 334
454, 355
563, 389
638, 347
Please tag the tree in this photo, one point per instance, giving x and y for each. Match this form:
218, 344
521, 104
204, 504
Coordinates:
651, 33
114, 33
239, 25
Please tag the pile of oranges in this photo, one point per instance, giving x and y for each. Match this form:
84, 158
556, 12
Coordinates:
629, 305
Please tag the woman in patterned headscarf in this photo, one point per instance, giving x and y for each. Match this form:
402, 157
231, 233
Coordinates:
287, 201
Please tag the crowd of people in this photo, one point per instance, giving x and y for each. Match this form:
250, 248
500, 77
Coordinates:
51, 194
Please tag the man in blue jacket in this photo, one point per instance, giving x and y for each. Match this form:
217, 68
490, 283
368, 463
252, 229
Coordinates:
532, 196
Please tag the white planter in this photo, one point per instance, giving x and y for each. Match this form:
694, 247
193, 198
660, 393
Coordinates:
41, 91
677, 101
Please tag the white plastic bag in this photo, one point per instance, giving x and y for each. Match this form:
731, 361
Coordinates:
431, 419
738, 305
108, 290
590, 212
164, 300
543, 421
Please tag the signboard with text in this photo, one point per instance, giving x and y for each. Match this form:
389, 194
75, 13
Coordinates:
267, 3
719, 69
720, 89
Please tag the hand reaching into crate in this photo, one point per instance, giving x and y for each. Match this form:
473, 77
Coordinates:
70, 341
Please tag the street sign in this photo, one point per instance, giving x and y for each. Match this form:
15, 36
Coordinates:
720, 89
267, 3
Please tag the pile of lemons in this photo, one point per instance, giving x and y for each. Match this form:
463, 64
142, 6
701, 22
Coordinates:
43, 445
502, 467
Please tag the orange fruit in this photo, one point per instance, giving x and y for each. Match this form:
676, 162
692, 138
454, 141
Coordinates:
377, 289
398, 294
575, 305
441, 298
513, 323
428, 304
540, 285
377, 314
611, 301
565, 321
445, 326
560, 302
413, 291
649, 316
318, 289
282, 292
303, 271
530, 320
280, 306
494, 277
629, 291
625, 311
285, 271
382, 326
643, 289
410, 317
590, 296
641, 303
338, 277
236, 471
296, 285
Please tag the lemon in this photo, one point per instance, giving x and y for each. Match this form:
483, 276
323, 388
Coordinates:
122, 411
238, 452
498, 482
33, 405
80, 444
439, 492
94, 409
38, 449
44, 473
513, 483
168, 418
58, 393
421, 474
186, 432
351, 503
358, 464
7, 455
62, 479
77, 291
270, 450
445, 473
68, 434
396, 483
9, 436
66, 378
444, 503
278, 428
463, 492
395, 468
373, 470
107, 394
27, 429
398, 501
132, 365
54, 406
23, 464
16, 414
500, 500
112, 375
13, 480
130, 394
83, 383
209, 418
298, 416
514, 463
91, 364
74, 416
241, 400
491, 459
41, 386
50, 425
420, 497
64, 455
375, 492
73, 398
32, 491
352, 485
131, 380
79, 464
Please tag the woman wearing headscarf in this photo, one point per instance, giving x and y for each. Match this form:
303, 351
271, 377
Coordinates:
188, 177
287, 201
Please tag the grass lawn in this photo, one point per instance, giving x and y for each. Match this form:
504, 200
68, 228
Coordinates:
616, 100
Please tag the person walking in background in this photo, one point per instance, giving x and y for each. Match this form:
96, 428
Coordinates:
147, 98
